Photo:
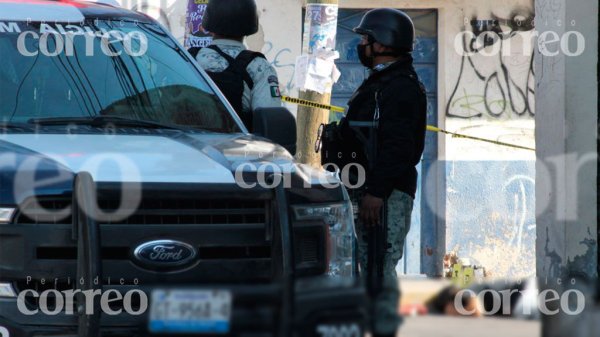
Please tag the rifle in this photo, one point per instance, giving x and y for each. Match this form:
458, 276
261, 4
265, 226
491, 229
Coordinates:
377, 237
377, 248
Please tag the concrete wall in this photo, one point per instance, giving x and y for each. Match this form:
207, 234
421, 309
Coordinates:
280, 37
567, 152
489, 203
567, 98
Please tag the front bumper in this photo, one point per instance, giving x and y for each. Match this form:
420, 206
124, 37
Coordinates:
321, 305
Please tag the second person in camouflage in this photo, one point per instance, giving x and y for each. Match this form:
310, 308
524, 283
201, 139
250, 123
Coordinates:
229, 22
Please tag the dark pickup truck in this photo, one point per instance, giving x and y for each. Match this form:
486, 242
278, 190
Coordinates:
134, 202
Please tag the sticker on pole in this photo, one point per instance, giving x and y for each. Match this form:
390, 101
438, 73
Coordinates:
320, 25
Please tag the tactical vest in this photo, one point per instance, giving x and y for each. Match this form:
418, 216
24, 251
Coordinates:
354, 140
231, 80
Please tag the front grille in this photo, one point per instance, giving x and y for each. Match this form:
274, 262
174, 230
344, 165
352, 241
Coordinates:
149, 212
125, 253
233, 238
70, 253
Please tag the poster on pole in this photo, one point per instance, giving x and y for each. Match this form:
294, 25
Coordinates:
320, 27
315, 68
195, 35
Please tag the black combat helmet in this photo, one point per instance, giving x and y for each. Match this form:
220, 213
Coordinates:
233, 18
390, 27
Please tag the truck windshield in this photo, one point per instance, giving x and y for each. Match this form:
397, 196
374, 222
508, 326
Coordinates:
96, 68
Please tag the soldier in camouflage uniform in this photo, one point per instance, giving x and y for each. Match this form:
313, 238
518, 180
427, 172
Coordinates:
265, 93
393, 98
229, 22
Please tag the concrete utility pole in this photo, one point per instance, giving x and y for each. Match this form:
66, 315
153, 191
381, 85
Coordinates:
309, 119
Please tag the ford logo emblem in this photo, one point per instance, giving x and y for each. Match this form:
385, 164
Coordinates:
164, 254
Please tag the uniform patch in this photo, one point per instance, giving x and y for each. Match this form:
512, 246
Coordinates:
275, 91
273, 80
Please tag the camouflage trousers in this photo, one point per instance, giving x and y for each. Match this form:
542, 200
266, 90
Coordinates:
399, 206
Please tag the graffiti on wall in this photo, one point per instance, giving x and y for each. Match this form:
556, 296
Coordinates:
500, 83
490, 218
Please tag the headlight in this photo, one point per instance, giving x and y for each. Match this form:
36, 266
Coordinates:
7, 290
340, 220
6, 215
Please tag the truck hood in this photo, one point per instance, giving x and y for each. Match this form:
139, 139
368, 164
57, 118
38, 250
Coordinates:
155, 157
126, 158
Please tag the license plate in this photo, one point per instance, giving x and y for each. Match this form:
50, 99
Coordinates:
190, 311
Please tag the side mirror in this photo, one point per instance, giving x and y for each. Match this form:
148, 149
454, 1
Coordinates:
276, 124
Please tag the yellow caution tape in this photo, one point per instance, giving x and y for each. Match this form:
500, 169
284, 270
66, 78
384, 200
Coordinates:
458, 135
310, 104
432, 128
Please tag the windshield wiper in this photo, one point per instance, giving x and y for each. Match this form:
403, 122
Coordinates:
101, 121
13, 125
